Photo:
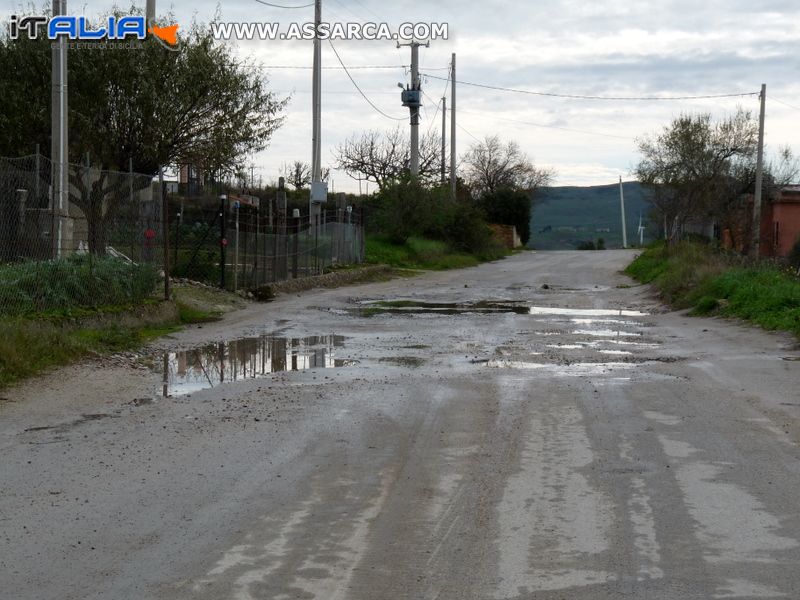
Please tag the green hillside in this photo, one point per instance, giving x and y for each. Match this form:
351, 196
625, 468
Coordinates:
563, 217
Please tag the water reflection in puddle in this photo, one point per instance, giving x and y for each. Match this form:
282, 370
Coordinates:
605, 322
371, 308
566, 370
605, 333
202, 368
588, 312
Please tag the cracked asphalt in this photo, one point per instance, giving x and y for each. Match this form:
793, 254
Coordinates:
538, 427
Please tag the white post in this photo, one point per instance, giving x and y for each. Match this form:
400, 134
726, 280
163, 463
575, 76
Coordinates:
759, 176
622, 209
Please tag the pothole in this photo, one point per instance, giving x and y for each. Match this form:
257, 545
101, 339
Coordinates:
187, 371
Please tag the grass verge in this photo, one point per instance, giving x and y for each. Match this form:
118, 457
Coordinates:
422, 253
708, 282
34, 344
30, 347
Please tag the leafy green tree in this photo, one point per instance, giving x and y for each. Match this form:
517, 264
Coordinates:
198, 103
147, 107
698, 168
510, 207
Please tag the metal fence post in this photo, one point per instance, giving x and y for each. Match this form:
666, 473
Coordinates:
223, 242
296, 256
236, 251
165, 227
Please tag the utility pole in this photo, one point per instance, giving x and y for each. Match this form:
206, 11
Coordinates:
622, 209
150, 12
444, 136
759, 175
60, 141
319, 190
453, 125
412, 98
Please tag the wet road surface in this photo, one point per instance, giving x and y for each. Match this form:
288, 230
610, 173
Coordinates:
537, 428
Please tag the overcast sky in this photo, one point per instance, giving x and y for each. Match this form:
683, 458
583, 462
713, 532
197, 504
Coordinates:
609, 48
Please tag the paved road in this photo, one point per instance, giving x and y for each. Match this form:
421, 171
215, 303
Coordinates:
532, 428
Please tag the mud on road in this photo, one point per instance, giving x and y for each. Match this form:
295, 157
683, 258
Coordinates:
532, 428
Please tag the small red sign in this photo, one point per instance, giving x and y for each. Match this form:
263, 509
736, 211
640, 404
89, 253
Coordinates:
149, 233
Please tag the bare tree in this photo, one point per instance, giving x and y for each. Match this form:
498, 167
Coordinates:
297, 174
384, 158
492, 165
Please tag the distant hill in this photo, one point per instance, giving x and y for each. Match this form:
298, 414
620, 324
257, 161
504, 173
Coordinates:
563, 217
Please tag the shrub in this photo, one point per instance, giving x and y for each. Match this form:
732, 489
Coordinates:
408, 209
509, 207
80, 281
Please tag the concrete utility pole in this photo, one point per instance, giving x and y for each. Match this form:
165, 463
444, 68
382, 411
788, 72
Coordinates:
759, 175
453, 125
415, 111
622, 209
150, 12
318, 188
59, 151
444, 136
412, 98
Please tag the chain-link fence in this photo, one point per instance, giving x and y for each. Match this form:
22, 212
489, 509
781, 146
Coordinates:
111, 236
258, 242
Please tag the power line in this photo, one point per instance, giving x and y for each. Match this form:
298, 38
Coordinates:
353, 81
353, 68
461, 127
586, 97
784, 103
282, 6
492, 116
433, 119
438, 104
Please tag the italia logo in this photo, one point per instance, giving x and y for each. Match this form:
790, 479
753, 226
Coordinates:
79, 28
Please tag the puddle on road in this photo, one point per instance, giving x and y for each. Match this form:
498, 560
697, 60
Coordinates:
587, 312
202, 368
578, 369
606, 333
415, 307
605, 322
